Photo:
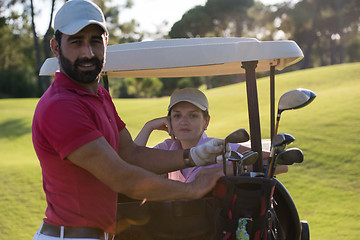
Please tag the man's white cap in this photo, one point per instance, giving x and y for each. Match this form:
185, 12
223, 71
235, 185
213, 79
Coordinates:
191, 95
74, 15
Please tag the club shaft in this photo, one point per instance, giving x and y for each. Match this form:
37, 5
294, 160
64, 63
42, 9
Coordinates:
224, 163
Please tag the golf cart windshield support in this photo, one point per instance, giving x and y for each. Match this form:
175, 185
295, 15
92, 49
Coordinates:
106, 81
272, 101
253, 111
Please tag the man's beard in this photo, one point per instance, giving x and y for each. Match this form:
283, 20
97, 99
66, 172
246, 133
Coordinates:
75, 74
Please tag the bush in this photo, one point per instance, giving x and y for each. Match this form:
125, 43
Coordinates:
16, 83
136, 87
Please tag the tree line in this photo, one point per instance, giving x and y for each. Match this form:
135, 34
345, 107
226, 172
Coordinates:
326, 30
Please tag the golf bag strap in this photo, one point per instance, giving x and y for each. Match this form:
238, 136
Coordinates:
229, 196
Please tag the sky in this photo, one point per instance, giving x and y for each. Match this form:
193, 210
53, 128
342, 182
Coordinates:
150, 14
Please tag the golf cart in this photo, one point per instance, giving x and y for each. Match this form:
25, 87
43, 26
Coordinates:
191, 219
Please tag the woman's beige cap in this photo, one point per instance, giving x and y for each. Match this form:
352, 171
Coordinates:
74, 15
191, 95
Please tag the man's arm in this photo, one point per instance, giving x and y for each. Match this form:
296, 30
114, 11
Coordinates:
154, 160
163, 161
99, 158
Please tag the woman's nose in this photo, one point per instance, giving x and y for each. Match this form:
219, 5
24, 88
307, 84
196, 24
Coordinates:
184, 120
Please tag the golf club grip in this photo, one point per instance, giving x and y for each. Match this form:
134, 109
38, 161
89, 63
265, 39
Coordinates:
276, 128
269, 167
224, 163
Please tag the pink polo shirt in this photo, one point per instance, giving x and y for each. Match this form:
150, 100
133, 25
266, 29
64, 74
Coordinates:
67, 117
188, 174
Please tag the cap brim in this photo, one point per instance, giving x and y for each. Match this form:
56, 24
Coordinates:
189, 101
79, 25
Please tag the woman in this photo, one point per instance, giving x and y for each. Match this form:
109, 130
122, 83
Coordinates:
188, 118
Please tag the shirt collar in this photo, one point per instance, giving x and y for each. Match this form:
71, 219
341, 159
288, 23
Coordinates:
64, 81
203, 139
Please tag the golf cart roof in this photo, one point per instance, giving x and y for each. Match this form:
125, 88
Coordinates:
191, 57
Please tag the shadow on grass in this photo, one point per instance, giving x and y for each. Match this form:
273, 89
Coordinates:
14, 128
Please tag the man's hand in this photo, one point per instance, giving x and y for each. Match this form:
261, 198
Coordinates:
205, 181
210, 152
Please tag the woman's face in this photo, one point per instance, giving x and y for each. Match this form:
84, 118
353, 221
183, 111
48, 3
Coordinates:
188, 123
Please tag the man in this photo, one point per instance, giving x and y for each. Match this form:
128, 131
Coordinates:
86, 153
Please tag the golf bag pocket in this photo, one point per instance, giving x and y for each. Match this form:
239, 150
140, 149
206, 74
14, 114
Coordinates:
244, 208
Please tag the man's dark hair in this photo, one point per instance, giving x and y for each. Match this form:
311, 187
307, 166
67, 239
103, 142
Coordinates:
58, 36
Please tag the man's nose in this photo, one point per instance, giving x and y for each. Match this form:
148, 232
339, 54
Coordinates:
87, 51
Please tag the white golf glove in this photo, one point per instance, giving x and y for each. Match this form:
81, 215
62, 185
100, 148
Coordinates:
210, 152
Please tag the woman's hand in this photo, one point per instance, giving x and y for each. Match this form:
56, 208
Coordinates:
162, 124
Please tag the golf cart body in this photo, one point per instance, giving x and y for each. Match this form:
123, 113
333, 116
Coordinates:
202, 57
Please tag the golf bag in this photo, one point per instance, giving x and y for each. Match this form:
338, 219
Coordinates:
240, 207
245, 208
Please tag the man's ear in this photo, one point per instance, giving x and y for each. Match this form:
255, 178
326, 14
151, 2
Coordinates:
106, 40
55, 47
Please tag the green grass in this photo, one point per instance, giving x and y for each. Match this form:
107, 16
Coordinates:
325, 188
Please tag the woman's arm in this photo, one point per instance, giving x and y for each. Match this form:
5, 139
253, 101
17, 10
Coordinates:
162, 124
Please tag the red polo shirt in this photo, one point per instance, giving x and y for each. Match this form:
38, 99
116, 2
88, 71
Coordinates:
67, 117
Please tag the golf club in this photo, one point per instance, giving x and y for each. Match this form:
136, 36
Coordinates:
249, 158
245, 159
282, 139
235, 158
238, 136
293, 99
289, 157
279, 142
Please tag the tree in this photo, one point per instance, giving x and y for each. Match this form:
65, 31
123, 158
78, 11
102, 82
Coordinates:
16, 72
41, 52
217, 18
119, 32
229, 16
322, 27
194, 23
136, 87
44, 81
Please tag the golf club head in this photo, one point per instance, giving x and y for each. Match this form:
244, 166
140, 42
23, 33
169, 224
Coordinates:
250, 158
235, 156
238, 136
289, 157
282, 139
295, 99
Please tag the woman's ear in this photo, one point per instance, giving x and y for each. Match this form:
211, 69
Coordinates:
207, 121
171, 132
